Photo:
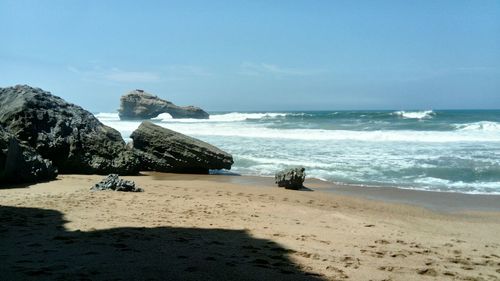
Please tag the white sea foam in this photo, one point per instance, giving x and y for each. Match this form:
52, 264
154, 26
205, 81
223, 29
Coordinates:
255, 131
431, 183
415, 114
323, 135
479, 126
285, 162
226, 117
108, 116
236, 116
384, 157
165, 117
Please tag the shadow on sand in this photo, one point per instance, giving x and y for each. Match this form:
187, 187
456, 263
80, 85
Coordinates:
12, 185
34, 244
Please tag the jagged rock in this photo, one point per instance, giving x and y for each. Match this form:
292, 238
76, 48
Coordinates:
164, 150
20, 163
113, 182
292, 178
140, 105
71, 137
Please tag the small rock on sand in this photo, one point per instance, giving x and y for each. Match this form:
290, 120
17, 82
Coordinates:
113, 182
292, 178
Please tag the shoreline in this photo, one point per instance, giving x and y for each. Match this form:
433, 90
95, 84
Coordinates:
433, 200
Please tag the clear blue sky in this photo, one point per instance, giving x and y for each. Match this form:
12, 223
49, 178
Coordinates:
257, 55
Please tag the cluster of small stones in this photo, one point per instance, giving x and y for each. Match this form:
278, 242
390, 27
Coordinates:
113, 182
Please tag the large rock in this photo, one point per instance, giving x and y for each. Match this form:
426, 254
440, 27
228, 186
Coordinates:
71, 137
292, 178
20, 163
141, 105
164, 150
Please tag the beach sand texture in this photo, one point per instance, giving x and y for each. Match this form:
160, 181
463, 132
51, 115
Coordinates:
194, 228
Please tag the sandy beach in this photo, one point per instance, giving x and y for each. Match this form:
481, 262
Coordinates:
194, 227
250, 140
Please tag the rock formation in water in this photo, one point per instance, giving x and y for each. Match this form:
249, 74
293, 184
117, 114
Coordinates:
71, 137
140, 105
113, 182
164, 150
292, 178
20, 163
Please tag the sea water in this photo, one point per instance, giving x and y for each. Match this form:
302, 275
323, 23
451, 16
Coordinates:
456, 151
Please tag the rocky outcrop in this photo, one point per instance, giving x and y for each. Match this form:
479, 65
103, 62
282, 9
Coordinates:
113, 182
141, 105
71, 137
292, 178
164, 150
20, 163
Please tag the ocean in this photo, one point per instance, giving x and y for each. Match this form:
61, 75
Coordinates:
435, 150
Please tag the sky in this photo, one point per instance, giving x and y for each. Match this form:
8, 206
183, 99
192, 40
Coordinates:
257, 55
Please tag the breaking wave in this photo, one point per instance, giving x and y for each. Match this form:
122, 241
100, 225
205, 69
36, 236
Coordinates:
454, 151
479, 126
427, 114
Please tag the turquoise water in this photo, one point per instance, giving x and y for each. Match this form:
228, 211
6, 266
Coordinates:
457, 151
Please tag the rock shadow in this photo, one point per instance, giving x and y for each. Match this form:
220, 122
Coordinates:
12, 185
34, 245
305, 188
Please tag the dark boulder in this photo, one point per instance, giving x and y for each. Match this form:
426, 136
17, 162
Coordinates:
292, 178
113, 182
140, 105
71, 137
20, 163
164, 150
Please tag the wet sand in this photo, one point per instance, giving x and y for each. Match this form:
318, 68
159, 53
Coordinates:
438, 201
195, 227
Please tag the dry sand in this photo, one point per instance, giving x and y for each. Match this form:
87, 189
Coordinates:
186, 227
